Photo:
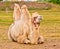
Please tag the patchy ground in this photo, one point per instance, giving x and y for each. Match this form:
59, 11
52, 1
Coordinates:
6, 44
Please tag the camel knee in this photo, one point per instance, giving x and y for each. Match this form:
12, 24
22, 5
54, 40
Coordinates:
40, 40
10, 37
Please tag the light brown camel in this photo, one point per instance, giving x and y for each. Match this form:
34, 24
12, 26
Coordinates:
25, 29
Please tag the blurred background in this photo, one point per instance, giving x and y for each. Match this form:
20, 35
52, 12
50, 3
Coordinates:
49, 9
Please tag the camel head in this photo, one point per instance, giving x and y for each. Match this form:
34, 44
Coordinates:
36, 18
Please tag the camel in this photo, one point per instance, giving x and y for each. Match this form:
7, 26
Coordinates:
25, 29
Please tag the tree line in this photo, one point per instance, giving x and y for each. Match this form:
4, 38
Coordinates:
53, 1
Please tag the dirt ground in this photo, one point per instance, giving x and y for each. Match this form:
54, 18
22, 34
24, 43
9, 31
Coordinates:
6, 44
49, 44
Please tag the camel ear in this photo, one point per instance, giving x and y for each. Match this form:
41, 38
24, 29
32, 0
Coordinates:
16, 12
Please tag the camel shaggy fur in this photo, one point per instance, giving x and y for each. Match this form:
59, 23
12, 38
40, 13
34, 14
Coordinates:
19, 29
25, 28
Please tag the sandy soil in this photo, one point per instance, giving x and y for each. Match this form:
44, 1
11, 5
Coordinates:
49, 44
6, 44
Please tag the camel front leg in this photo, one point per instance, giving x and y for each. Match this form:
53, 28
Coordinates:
40, 40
